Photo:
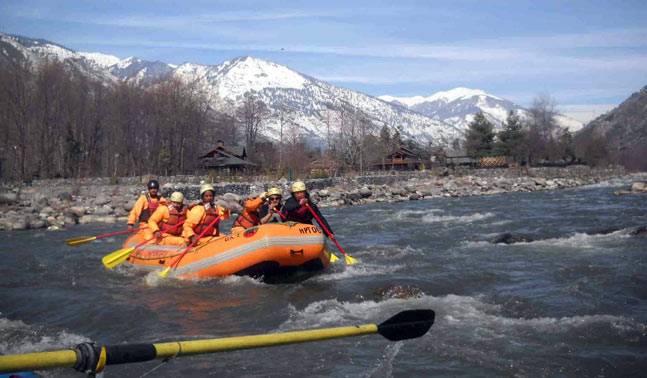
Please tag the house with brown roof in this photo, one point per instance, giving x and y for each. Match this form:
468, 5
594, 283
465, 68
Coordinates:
402, 159
227, 159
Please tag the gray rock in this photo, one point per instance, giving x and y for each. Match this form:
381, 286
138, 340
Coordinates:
40, 200
101, 200
365, 192
231, 197
65, 196
103, 210
323, 193
77, 211
414, 196
106, 219
354, 196
19, 224
37, 223
127, 206
90, 218
540, 181
47, 210
639, 186
8, 198
5, 224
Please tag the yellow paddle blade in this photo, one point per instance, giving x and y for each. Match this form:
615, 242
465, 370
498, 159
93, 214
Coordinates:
333, 257
80, 240
350, 260
117, 257
164, 273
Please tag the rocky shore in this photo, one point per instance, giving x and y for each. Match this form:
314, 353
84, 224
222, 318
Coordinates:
54, 204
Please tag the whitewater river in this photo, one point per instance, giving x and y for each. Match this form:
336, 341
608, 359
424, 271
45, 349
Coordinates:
572, 304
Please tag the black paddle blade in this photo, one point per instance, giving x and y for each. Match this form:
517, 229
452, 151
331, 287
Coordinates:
407, 325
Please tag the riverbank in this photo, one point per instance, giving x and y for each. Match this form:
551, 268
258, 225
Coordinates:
55, 204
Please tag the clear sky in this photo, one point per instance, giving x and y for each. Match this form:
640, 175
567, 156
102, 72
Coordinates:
588, 55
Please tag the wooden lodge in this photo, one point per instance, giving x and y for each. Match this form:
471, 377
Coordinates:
226, 159
402, 159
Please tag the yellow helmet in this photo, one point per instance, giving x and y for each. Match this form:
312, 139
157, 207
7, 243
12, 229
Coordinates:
298, 186
206, 188
177, 197
274, 192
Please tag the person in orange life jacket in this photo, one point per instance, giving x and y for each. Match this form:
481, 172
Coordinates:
164, 225
202, 215
295, 209
249, 217
270, 212
146, 205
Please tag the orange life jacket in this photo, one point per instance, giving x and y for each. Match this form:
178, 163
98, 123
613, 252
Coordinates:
210, 215
174, 217
152, 206
247, 219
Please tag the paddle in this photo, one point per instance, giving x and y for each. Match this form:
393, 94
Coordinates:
117, 257
175, 263
86, 239
347, 258
92, 358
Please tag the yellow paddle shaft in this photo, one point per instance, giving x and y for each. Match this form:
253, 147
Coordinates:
183, 348
134, 353
37, 361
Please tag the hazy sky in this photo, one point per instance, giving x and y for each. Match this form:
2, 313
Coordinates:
588, 55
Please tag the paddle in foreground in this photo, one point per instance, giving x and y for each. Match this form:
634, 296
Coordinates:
92, 358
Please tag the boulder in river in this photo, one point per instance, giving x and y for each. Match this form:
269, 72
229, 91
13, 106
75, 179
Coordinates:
509, 238
399, 291
639, 186
640, 232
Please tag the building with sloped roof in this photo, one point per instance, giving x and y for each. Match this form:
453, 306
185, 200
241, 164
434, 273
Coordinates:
226, 159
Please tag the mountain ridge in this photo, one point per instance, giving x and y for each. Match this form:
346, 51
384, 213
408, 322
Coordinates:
307, 101
457, 106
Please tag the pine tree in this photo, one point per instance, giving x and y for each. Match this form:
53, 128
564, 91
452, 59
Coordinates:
511, 138
479, 139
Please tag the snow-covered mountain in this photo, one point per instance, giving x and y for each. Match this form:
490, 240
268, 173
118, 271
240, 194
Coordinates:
304, 100
310, 106
101, 66
458, 106
39, 51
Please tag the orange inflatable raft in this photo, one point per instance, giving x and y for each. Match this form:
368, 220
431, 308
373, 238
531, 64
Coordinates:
270, 250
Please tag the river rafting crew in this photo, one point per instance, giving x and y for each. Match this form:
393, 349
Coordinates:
172, 222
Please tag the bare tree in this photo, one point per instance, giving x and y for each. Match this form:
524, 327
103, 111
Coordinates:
251, 115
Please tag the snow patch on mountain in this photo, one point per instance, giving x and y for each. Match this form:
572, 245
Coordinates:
311, 104
101, 60
458, 106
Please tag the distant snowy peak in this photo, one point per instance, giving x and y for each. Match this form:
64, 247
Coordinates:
37, 49
451, 95
140, 71
248, 74
458, 106
101, 60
